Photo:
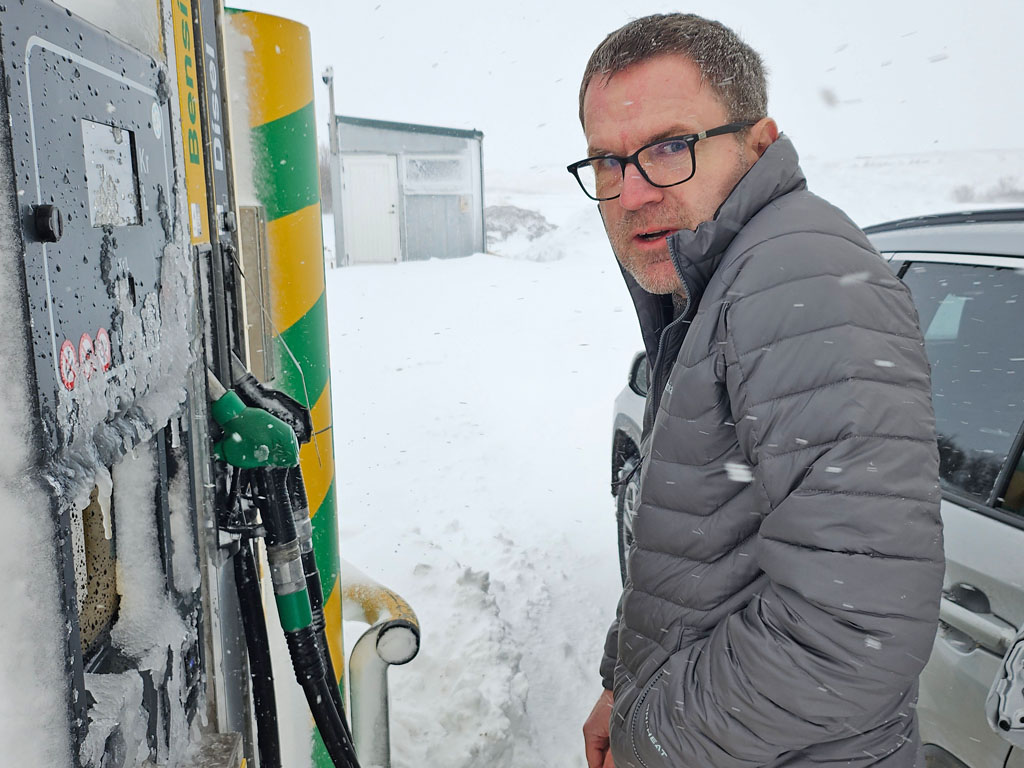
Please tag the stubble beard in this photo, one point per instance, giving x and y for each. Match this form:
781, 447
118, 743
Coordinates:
655, 270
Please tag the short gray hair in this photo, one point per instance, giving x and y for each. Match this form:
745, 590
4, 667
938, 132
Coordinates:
731, 68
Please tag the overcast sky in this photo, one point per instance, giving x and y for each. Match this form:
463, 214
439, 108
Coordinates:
846, 78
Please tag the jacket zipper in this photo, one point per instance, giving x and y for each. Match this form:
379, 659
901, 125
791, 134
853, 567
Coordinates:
684, 316
636, 713
659, 385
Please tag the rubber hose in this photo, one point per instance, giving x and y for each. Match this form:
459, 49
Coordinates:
281, 501
297, 488
272, 500
335, 690
254, 622
310, 673
339, 730
314, 586
303, 647
316, 601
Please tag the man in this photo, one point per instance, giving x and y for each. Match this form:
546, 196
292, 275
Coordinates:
783, 589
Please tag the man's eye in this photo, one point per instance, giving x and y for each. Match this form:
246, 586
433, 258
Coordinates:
605, 164
670, 148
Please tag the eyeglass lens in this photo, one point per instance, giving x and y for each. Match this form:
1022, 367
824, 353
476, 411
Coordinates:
669, 162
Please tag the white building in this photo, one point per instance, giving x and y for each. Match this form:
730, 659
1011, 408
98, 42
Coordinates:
406, 192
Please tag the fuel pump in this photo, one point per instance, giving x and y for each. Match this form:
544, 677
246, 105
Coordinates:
136, 487
115, 410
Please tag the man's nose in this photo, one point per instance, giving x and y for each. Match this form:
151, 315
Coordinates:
637, 191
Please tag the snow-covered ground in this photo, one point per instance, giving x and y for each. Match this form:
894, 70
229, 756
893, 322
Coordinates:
472, 406
473, 409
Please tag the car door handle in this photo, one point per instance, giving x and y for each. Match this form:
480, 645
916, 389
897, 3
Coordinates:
989, 631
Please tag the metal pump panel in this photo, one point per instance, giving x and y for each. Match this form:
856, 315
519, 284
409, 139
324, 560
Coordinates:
107, 296
92, 155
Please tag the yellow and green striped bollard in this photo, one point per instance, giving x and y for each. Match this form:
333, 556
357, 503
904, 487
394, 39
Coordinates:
285, 177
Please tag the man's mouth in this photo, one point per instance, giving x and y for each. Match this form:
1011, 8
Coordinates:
655, 235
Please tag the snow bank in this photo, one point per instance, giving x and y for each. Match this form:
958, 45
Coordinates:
34, 689
470, 656
513, 231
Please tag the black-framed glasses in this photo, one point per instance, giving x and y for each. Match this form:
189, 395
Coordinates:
662, 163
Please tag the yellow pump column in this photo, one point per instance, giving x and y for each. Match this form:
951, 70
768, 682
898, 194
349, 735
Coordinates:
278, 82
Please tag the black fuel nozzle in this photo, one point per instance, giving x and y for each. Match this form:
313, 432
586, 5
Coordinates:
277, 403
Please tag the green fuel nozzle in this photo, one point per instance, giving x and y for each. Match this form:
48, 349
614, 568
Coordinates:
252, 437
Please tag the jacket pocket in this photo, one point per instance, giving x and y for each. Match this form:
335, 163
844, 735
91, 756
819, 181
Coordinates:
722, 328
642, 739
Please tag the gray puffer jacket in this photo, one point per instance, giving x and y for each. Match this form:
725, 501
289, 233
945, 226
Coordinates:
783, 590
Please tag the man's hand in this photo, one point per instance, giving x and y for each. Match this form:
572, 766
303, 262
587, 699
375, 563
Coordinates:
595, 733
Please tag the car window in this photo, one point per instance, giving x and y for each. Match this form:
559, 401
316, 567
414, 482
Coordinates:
973, 323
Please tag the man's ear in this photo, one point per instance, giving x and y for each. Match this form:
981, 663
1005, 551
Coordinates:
762, 135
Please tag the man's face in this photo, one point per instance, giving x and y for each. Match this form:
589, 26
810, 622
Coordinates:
645, 102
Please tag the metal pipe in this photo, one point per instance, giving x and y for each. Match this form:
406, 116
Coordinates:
393, 639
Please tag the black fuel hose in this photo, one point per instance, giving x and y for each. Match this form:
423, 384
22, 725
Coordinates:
300, 513
254, 625
283, 552
261, 670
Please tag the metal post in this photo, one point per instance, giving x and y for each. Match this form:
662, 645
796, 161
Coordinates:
332, 132
328, 78
393, 639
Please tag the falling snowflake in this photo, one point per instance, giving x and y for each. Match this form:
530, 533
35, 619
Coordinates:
854, 277
738, 472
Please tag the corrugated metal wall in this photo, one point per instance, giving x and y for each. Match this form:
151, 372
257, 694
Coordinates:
439, 226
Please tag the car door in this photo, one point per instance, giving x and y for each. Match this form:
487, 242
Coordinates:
972, 315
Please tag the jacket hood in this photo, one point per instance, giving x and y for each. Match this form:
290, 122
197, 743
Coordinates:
696, 254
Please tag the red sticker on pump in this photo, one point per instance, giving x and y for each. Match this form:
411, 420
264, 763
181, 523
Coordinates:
85, 354
67, 364
101, 346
